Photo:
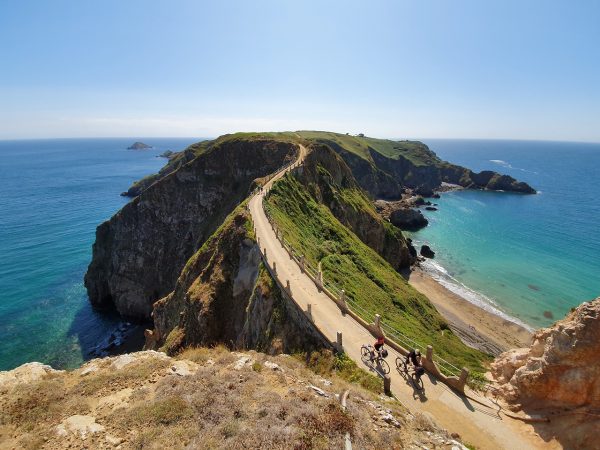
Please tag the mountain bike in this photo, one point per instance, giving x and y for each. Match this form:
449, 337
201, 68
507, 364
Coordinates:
413, 373
370, 356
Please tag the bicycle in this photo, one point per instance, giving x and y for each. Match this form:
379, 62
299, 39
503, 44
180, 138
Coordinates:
368, 355
414, 373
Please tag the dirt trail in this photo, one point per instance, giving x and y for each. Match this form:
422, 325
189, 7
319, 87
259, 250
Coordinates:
483, 426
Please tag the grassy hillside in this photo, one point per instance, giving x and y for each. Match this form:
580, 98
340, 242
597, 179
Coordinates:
367, 278
415, 151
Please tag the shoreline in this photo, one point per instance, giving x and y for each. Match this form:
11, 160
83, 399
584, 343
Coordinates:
474, 325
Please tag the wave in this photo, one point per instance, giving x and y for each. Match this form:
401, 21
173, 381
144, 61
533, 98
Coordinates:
442, 276
502, 163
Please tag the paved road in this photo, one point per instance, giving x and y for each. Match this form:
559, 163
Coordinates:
482, 426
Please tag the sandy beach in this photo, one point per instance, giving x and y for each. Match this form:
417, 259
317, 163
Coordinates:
475, 326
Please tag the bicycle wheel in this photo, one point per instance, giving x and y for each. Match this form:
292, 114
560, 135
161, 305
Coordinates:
400, 367
385, 367
365, 354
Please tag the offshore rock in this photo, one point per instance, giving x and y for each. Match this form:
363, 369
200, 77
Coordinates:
139, 146
408, 219
427, 252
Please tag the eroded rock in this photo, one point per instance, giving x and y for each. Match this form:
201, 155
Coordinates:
560, 369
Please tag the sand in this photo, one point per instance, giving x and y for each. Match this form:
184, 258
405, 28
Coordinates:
477, 327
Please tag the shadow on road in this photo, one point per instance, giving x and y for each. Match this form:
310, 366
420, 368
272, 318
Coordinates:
417, 386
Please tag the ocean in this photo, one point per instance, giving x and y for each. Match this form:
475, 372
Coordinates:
527, 257
53, 194
530, 258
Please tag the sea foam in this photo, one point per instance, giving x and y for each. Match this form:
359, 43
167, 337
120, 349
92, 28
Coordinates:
443, 277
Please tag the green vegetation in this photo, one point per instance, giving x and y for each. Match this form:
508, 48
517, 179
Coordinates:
369, 281
166, 411
325, 362
415, 151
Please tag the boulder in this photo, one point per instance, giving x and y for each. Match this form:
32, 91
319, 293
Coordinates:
408, 219
418, 201
427, 252
431, 208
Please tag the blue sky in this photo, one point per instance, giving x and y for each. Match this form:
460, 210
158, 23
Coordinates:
470, 69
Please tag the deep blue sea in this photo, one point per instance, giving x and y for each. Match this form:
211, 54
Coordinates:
531, 257
53, 194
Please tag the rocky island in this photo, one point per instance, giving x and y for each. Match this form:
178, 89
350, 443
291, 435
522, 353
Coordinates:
139, 146
166, 154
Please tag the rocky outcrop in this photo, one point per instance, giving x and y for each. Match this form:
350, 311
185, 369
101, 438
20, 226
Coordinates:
139, 146
558, 378
561, 369
427, 252
140, 251
332, 183
408, 219
223, 296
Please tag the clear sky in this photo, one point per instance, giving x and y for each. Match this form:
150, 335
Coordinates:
472, 69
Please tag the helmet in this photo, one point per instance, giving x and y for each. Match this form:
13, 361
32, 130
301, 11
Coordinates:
384, 353
418, 352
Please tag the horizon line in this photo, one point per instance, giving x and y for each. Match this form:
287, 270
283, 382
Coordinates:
201, 138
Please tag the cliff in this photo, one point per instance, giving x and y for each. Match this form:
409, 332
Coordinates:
558, 376
205, 399
140, 251
176, 160
331, 183
224, 295
385, 168
325, 216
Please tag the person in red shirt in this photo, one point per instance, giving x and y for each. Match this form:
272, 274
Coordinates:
378, 347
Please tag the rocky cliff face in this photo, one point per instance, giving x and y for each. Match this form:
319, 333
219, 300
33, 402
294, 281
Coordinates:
559, 376
139, 252
562, 366
332, 183
388, 177
224, 296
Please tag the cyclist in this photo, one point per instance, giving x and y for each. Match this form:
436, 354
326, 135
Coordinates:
415, 357
378, 347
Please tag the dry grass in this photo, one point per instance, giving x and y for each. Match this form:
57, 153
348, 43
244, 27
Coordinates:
217, 407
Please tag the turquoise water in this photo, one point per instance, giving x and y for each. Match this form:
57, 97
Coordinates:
53, 194
530, 257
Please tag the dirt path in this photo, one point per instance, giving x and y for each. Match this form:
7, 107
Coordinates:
480, 425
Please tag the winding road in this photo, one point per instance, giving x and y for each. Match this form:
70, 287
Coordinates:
483, 426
